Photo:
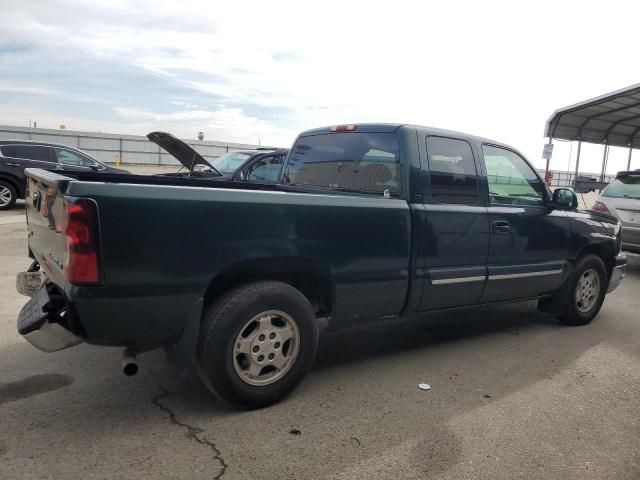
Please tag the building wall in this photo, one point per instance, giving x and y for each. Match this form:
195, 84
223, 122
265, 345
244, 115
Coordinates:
106, 147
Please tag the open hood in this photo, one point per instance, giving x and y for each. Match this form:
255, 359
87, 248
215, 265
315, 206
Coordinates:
186, 155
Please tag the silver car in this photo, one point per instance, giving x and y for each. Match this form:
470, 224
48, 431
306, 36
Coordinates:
621, 198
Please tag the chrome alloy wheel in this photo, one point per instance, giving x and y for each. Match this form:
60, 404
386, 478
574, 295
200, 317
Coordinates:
587, 290
266, 348
5, 196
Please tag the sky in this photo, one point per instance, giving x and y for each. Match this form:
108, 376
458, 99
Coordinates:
264, 71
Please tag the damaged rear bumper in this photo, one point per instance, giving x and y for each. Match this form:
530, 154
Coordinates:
42, 322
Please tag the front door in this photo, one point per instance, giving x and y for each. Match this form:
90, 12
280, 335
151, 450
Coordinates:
529, 240
265, 169
456, 236
73, 161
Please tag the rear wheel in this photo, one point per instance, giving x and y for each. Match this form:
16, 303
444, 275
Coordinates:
7, 195
587, 290
257, 343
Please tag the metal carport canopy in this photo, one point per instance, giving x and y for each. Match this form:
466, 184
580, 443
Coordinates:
611, 119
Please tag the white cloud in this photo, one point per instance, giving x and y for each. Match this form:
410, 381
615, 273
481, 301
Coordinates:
230, 124
26, 89
269, 69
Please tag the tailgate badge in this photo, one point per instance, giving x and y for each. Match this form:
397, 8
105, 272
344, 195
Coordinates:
36, 200
57, 261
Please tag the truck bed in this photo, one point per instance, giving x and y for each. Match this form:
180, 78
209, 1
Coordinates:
132, 179
163, 241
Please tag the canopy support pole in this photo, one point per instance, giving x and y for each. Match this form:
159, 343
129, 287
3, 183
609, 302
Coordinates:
629, 159
575, 178
605, 156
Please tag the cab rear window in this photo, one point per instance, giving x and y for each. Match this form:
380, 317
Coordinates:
350, 161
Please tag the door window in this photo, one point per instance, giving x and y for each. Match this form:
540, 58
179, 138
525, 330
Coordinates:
266, 169
511, 180
72, 159
27, 152
452, 171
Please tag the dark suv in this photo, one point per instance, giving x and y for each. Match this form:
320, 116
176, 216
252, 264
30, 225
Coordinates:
16, 155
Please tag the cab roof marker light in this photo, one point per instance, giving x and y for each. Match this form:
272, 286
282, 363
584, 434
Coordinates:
343, 128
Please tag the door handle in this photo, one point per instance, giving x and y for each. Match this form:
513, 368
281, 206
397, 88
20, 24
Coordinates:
11, 164
500, 226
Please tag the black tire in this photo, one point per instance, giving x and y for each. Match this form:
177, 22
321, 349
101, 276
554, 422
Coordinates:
572, 315
224, 321
4, 186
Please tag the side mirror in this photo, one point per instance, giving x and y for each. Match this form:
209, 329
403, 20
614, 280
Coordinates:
94, 166
564, 199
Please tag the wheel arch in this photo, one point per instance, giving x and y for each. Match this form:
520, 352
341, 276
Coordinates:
604, 250
15, 183
310, 276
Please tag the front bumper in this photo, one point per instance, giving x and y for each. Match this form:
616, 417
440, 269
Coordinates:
41, 322
618, 272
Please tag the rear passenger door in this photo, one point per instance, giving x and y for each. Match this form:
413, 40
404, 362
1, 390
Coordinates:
529, 240
456, 241
20, 156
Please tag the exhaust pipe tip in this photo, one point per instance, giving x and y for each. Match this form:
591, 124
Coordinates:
130, 369
129, 363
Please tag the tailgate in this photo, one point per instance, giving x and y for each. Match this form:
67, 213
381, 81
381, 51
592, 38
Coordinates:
46, 217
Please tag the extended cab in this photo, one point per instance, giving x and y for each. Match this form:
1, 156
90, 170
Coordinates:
368, 222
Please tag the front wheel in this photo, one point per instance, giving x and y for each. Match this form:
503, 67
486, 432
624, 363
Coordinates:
587, 290
257, 343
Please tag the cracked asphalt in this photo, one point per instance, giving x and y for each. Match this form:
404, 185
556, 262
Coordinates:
514, 396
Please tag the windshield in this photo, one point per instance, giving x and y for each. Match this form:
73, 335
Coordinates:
625, 187
367, 162
230, 162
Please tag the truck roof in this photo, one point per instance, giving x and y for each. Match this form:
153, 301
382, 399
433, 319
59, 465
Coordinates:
392, 127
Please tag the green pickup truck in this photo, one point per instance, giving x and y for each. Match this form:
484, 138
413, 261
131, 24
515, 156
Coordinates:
367, 222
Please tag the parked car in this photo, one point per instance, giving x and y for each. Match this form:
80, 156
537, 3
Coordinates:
621, 198
368, 222
262, 165
16, 155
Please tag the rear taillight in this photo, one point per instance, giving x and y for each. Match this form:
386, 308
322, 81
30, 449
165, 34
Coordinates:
81, 235
600, 207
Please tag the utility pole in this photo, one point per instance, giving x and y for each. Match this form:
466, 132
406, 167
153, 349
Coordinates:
546, 153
